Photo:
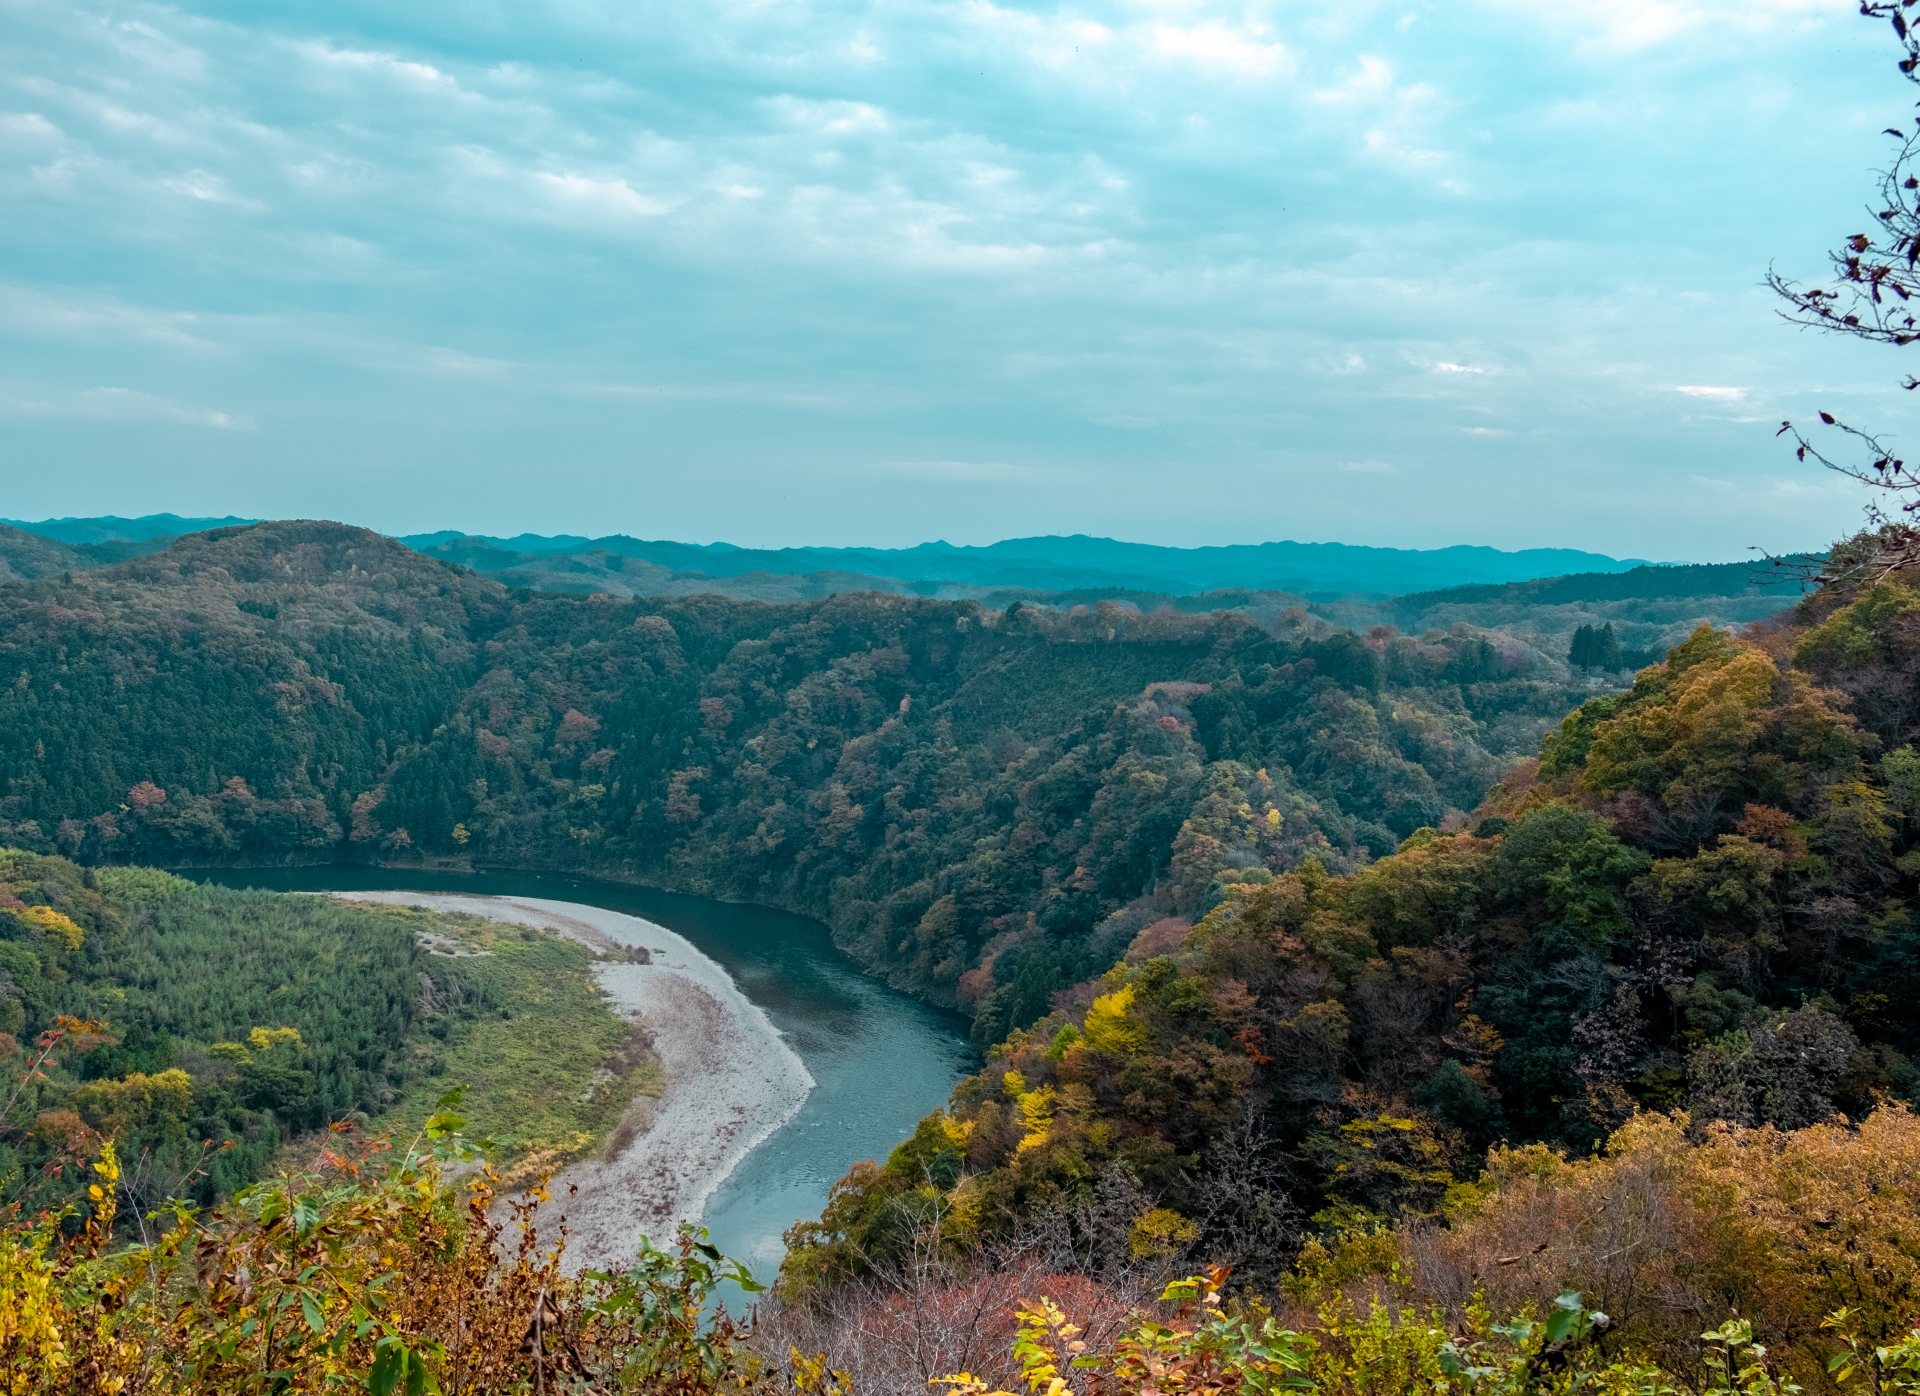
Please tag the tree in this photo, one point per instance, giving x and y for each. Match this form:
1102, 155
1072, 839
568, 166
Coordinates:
1595, 647
1876, 277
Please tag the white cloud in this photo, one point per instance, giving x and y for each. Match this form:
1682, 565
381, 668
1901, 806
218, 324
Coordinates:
129, 405
28, 125
1713, 394
1242, 47
834, 118
1637, 24
208, 188
1373, 78
384, 64
601, 195
1219, 47
44, 315
452, 361
126, 405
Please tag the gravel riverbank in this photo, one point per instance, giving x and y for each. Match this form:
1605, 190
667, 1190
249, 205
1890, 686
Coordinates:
732, 1079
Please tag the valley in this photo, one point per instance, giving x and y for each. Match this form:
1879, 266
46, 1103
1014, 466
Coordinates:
893, 936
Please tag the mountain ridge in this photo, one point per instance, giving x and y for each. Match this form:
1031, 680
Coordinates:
1052, 562
1067, 562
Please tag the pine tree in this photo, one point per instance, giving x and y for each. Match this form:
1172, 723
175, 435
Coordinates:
1606, 648
1580, 655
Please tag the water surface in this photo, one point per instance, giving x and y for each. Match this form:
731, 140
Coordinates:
880, 1060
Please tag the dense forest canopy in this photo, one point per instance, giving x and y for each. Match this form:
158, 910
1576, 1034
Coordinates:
970, 797
1693, 913
204, 1030
230, 1019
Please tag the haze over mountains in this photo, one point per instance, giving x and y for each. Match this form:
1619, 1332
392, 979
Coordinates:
1039, 564
1063, 564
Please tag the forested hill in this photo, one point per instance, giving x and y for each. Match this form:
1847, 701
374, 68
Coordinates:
1699, 899
1785, 577
981, 803
26, 555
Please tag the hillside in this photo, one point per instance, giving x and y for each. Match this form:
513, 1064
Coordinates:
204, 1028
1644, 1026
25, 555
964, 795
1650, 608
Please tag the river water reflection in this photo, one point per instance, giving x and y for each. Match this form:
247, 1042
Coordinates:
880, 1060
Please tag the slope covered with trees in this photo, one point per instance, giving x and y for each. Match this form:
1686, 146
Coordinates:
1699, 898
201, 1028
970, 797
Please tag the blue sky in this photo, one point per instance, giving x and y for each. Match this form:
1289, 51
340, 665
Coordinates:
781, 273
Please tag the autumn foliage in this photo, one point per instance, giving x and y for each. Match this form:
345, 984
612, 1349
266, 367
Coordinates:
388, 1270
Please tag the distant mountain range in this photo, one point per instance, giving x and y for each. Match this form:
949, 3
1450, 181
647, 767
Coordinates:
1365, 585
112, 529
1066, 564
1539, 597
1075, 563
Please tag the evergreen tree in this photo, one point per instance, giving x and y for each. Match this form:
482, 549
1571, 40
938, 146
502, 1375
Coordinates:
1595, 647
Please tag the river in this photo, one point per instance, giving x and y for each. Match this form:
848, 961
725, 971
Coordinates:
880, 1060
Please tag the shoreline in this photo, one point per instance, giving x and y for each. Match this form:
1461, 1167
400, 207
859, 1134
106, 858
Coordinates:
732, 1079
611, 877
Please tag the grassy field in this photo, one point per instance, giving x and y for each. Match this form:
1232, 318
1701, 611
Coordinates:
549, 1069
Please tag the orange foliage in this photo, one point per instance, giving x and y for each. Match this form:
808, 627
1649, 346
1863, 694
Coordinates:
1664, 1234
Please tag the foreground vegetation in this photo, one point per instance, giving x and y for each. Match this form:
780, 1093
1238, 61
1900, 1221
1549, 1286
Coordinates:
370, 1269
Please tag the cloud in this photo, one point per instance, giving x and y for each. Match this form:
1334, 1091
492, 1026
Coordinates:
452, 361
833, 118
601, 196
123, 405
1713, 394
60, 314
208, 188
384, 65
128, 405
28, 126
783, 238
1638, 24
1217, 46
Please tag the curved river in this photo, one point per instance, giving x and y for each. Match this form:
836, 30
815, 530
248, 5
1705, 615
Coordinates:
880, 1060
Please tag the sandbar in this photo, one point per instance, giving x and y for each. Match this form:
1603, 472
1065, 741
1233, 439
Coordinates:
732, 1079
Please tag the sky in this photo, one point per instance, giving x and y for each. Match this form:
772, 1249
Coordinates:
827, 272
